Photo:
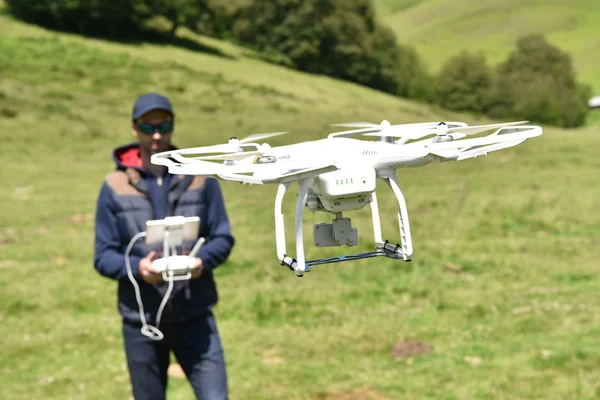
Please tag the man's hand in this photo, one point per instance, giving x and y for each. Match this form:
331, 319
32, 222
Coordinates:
197, 267
147, 271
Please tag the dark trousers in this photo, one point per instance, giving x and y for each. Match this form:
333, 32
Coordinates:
197, 348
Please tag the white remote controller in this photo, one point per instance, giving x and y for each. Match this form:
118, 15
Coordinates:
172, 263
174, 267
177, 265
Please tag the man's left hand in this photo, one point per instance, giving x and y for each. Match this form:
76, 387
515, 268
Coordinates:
197, 268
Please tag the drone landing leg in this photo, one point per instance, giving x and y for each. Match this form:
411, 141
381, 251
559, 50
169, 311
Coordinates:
300, 267
405, 236
376, 220
283, 258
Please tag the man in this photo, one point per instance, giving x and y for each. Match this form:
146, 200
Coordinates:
137, 191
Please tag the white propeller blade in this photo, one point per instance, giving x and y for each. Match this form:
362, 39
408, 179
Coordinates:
384, 124
358, 125
225, 148
260, 136
385, 129
229, 156
217, 148
430, 129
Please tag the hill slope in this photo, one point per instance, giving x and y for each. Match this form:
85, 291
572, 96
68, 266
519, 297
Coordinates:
503, 284
441, 28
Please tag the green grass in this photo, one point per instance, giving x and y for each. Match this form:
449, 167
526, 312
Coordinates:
519, 319
441, 28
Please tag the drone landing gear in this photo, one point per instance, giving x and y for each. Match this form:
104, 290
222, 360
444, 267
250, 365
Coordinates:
382, 248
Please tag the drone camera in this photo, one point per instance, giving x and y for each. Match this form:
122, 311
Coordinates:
339, 232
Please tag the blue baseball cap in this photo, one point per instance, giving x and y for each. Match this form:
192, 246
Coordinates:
151, 101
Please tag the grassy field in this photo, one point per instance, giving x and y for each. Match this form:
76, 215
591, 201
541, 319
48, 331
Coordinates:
441, 28
502, 288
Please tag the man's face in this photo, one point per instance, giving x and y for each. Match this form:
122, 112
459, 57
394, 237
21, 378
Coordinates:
151, 139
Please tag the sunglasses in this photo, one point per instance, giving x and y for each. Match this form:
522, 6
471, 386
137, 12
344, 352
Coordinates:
148, 129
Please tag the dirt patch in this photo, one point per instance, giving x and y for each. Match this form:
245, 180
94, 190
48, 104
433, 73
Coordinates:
80, 218
410, 348
8, 263
454, 267
473, 360
355, 394
271, 357
4, 241
60, 260
122, 378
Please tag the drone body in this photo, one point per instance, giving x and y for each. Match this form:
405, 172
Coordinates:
339, 174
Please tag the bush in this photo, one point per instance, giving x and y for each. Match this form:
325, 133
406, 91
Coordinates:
399, 67
464, 83
188, 13
537, 82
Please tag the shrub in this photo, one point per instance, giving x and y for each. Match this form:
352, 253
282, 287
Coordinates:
537, 82
464, 83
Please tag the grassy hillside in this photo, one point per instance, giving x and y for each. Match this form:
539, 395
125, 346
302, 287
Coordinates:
441, 28
503, 285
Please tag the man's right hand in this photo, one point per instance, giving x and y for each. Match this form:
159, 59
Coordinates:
149, 274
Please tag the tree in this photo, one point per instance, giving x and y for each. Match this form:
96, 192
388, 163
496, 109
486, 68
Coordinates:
338, 38
188, 13
537, 82
464, 83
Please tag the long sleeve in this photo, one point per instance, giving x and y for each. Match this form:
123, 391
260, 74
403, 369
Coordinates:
108, 260
215, 227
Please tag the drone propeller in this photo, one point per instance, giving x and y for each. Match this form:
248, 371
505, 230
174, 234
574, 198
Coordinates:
385, 129
358, 124
259, 136
232, 147
441, 129
417, 130
383, 125
230, 156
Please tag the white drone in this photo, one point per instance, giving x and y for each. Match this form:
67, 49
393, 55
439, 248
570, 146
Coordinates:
339, 173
